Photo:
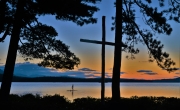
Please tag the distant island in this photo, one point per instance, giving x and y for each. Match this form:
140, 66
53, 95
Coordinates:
71, 79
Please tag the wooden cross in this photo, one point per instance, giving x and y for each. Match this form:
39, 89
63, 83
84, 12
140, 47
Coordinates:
103, 42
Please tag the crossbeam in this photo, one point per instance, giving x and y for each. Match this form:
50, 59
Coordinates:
100, 42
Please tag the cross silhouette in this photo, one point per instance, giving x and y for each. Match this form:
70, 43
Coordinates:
103, 42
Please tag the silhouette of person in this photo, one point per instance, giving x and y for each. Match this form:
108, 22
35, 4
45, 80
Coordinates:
72, 87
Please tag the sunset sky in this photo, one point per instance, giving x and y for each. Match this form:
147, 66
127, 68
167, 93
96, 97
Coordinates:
90, 54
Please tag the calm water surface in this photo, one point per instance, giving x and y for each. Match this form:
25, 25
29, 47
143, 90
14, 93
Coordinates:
94, 89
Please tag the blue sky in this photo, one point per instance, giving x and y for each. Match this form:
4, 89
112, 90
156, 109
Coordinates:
90, 54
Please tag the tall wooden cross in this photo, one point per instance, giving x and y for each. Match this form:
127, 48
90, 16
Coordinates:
103, 42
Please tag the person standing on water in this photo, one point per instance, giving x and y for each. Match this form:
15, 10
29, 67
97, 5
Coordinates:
72, 87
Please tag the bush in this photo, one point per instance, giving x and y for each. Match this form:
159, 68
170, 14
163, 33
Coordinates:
57, 102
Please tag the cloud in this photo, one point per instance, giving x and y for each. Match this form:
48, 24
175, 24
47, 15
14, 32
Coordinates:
147, 72
150, 73
96, 72
85, 69
122, 72
107, 75
176, 77
177, 73
142, 71
90, 73
28, 69
77, 74
92, 76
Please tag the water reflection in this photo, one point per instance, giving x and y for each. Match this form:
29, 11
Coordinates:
79, 90
151, 89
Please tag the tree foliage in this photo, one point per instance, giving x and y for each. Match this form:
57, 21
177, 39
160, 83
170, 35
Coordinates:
38, 40
133, 33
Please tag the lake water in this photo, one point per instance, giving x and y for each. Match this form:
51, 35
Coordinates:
94, 89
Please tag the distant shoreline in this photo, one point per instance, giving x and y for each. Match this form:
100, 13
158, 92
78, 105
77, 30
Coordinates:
71, 79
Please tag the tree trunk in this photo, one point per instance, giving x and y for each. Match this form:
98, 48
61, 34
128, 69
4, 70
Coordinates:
117, 53
12, 52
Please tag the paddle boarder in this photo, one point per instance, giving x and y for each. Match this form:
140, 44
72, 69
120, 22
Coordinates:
72, 87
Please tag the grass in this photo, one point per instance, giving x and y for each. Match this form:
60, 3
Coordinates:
57, 102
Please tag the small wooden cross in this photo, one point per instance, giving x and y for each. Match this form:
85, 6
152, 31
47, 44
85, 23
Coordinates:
103, 42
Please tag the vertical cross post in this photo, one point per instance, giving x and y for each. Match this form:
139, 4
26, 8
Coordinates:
103, 61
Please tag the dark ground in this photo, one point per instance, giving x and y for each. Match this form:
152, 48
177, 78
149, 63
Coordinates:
57, 102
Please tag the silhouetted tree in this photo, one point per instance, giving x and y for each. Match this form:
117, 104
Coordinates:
37, 40
174, 11
117, 53
126, 27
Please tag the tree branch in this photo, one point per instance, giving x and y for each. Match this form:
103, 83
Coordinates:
150, 50
5, 34
31, 28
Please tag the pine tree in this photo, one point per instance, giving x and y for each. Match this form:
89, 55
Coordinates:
126, 27
38, 41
